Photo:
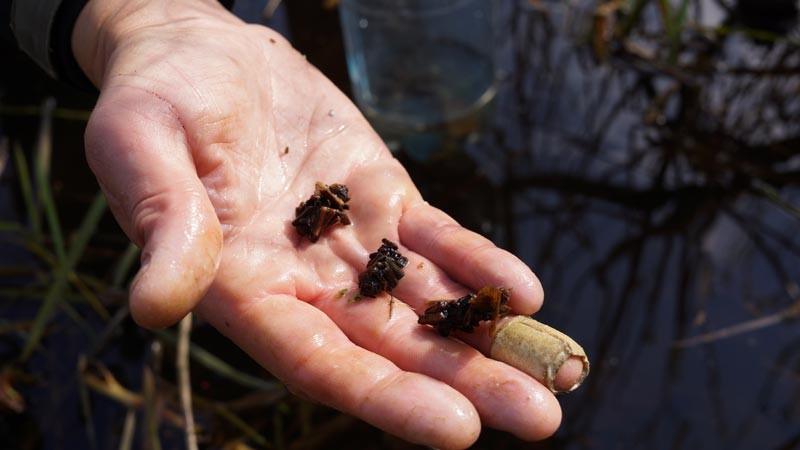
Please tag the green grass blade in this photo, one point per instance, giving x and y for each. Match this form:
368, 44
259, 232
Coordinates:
635, 9
26, 187
676, 23
151, 406
751, 33
86, 229
86, 405
774, 196
665, 9
110, 327
73, 314
220, 367
80, 115
90, 297
56, 292
234, 420
42, 159
10, 227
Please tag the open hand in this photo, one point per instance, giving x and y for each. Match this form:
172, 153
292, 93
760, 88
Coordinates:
207, 134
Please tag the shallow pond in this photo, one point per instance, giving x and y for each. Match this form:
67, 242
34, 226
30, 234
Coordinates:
655, 196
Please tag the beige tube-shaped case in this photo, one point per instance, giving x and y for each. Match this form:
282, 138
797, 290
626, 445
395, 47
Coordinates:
536, 349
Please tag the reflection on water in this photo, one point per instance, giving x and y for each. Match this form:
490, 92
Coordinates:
653, 192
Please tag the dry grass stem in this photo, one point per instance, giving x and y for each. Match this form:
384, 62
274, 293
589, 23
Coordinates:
792, 312
184, 381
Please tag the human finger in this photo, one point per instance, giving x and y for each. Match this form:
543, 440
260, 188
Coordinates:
379, 211
505, 398
461, 259
562, 375
417, 279
300, 345
468, 257
381, 192
528, 353
136, 147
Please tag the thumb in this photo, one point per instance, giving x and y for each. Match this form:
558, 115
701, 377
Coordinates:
137, 148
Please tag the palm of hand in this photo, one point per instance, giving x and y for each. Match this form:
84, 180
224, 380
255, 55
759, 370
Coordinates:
203, 167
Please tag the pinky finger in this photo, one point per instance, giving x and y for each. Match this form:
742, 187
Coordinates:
306, 350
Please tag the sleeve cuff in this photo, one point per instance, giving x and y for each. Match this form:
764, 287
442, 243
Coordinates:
43, 29
31, 22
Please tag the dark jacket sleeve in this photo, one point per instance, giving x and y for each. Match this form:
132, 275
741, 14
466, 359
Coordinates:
31, 23
43, 30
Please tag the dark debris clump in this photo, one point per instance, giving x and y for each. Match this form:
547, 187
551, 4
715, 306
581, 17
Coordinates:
466, 313
325, 208
384, 270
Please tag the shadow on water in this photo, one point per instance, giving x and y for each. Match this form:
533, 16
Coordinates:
642, 159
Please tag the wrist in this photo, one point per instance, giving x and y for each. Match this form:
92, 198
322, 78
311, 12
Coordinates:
104, 25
